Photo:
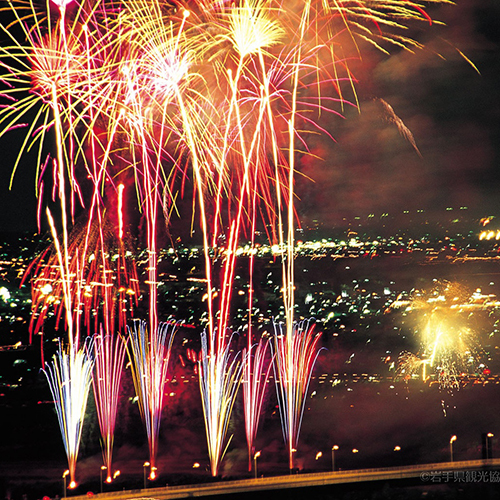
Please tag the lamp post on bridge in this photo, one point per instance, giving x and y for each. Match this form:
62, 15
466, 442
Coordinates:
255, 457
145, 466
292, 451
334, 448
489, 451
64, 476
452, 440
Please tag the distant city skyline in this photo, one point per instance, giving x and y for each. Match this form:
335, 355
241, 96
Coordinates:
366, 302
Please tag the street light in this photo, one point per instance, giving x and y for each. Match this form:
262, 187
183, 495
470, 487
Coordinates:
293, 450
65, 475
255, 457
334, 448
103, 468
145, 466
452, 440
489, 453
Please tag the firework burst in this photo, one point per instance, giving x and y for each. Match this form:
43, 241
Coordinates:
449, 348
101, 274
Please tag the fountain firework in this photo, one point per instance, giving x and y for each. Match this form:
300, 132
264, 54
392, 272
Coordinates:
150, 357
295, 356
256, 377
109, 356
69, 376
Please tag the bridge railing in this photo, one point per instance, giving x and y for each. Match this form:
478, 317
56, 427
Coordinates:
294, 480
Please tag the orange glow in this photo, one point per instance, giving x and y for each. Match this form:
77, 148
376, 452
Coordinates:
152, 476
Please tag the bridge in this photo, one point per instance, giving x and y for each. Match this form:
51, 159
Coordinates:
484, 471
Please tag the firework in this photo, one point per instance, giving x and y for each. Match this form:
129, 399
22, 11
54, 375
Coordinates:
226, 92
109, 357
102, 274
449, 347
256, 374
220, 378
150, 355
295, 356
256, 377
410, 365
451, 350
69, 376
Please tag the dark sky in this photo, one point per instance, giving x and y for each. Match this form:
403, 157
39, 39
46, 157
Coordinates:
452, 111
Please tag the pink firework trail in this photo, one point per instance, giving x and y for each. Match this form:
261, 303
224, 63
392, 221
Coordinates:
256, 372
109, 356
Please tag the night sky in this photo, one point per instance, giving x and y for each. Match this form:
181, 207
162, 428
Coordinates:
452, 111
